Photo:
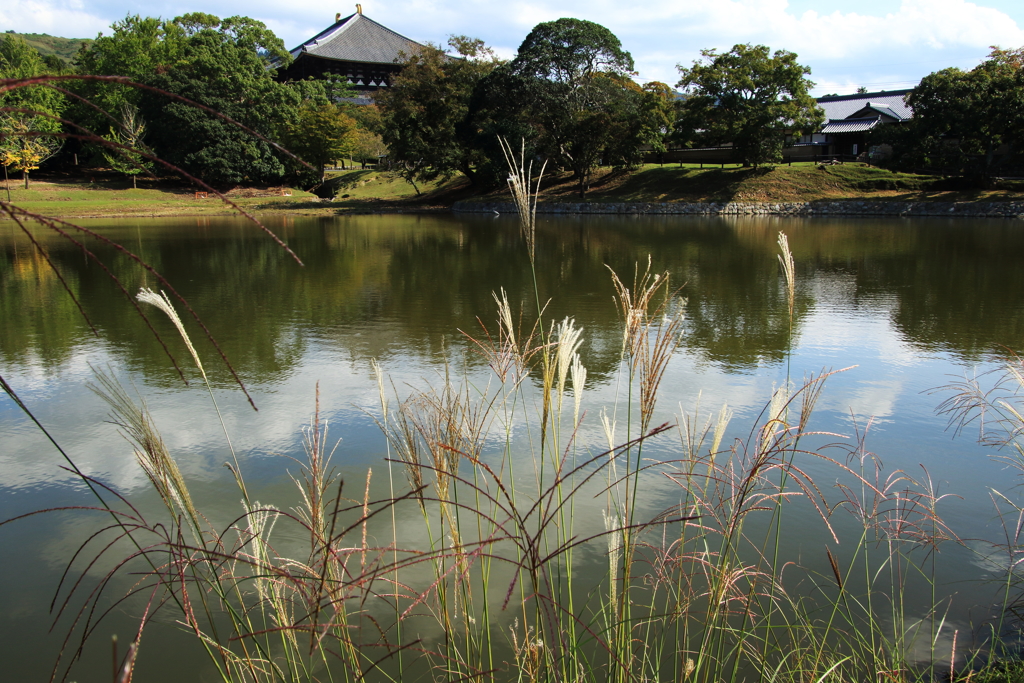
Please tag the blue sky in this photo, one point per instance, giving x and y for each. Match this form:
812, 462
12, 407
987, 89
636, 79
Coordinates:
880, 45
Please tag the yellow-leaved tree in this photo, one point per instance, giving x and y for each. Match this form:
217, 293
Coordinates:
29, 125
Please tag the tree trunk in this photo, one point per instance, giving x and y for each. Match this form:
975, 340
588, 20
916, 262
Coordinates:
25, 175
135, 184
468, 171
583, 184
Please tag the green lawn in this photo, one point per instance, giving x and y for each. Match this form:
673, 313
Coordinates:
106, 197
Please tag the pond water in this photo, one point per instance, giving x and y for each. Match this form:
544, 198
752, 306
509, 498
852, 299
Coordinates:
911, 304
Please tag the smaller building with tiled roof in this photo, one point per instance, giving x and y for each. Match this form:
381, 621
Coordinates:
849, 118
356, 47
837, 126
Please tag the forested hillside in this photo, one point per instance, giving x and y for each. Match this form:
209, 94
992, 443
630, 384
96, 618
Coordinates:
65, 48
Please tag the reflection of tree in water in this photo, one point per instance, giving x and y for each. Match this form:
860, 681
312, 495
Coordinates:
738, 314
378, 286
960, 290
37, 317
954, 284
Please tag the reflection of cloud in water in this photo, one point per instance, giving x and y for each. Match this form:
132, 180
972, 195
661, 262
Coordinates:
866, 399
840, 334
79, 420
989, 558
843, 320
194, 435
924, 648
836, 334
75, 418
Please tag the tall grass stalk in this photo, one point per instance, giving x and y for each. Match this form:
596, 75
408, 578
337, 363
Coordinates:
651, 334
162, 302
776, 414
525, 192
992, 404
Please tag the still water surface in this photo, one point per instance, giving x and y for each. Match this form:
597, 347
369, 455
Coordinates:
911, 303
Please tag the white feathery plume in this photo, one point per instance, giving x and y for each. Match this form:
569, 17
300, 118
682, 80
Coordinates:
614, 554
789, 269
569, 341
579, 380
724, 416
148, 296
780, 398
261, 523
505, 318
378, 374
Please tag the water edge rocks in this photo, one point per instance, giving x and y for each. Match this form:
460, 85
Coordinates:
819, 208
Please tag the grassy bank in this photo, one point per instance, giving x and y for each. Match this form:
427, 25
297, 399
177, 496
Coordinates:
103, 195
371, 190
802, 182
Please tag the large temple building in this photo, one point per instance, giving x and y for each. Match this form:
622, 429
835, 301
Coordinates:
356, 47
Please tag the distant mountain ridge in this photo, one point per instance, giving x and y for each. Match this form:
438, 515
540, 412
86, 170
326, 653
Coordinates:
64, 48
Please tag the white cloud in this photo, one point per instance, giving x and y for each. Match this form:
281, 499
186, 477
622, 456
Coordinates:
917, 31
891, 47
71, 19
916, 24
915, 38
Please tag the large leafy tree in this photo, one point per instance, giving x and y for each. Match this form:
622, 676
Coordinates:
569, 79
749, 97
29, 125
320, 133
642, 119
226, 65
137, 48
423, 113
968, 122
368, 145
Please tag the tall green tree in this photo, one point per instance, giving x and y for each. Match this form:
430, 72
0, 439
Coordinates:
369, 145
569, 78
423, 113
320, 133
126, 154
749, 97
642, 121
29, 125
967, 122
137, 48
226, 65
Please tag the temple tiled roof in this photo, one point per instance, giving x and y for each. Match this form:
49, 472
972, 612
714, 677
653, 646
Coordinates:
889, 103
851, 125
357, 38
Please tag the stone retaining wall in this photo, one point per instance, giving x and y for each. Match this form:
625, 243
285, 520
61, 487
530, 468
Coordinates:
837, 208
